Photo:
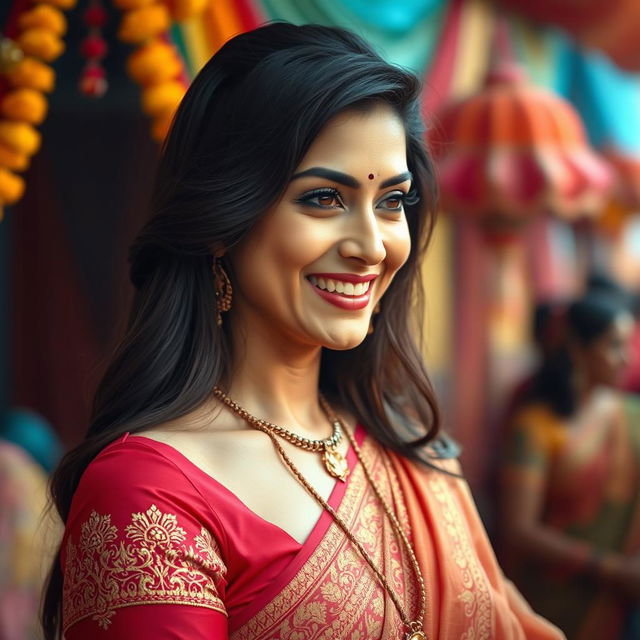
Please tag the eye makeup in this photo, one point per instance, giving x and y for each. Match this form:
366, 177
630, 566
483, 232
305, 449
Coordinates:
318, 195
330, 198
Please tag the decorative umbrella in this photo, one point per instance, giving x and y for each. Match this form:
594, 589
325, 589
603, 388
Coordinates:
512, 151
609, 25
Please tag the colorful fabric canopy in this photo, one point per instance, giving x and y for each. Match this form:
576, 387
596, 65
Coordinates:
513, 150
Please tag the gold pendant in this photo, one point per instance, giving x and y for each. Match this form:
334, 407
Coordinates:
416, 633
335, 463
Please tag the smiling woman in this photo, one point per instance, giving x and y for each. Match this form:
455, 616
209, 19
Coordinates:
265, 457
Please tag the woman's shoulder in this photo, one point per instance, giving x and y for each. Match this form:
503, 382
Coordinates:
133, 462
137, 479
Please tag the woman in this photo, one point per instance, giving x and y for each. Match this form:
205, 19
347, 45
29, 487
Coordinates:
263, 452
571, 480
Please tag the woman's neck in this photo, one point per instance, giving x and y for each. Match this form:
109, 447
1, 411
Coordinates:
276, 379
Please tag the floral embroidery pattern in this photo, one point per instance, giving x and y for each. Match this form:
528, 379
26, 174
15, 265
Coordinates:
152, 565
335, 594
475, 596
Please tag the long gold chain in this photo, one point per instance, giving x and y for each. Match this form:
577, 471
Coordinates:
416, 626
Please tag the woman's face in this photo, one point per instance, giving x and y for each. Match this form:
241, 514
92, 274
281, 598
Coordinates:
606, 358
315, 266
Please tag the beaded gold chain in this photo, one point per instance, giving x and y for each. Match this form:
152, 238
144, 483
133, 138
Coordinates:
335, 463
415, 627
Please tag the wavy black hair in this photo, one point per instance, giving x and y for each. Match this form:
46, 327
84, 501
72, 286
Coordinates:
241, 130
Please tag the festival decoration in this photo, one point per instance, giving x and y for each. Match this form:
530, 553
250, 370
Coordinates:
93, 81
34, 38
512, 151
156, 65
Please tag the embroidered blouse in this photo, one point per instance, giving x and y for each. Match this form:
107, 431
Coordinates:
156, 548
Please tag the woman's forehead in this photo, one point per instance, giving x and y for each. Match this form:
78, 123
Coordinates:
371, 142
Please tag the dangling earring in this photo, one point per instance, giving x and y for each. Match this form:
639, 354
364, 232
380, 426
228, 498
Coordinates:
376, 311
224, 290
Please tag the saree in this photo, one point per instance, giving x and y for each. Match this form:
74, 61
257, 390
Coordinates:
167, 552
592, 496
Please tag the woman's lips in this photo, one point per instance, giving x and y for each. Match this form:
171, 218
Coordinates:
348, 301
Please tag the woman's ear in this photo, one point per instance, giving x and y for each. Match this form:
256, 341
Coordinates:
218, 250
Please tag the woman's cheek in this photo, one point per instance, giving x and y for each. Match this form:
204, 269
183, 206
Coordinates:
398, 247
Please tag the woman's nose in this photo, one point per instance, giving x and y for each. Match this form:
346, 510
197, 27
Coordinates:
364, 240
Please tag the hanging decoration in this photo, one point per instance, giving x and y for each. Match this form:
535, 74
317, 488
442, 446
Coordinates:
512, 151
93, 81
156, 64
32, 41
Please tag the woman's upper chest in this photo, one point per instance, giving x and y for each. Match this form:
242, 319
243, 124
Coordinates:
246, 467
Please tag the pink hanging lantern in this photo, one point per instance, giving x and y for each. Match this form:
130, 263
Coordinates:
512, 151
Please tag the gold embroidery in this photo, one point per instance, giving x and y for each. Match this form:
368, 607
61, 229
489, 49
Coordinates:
153, 566
475, 595
335, 594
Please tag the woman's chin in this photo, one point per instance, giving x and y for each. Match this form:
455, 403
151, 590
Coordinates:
343, 340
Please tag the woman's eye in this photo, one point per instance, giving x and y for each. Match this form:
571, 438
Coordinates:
322, 199
394, 202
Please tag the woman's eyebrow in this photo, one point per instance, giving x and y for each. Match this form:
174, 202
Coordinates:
346, 179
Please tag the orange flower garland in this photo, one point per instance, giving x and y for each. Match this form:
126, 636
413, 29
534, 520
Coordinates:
155, 64
38, 41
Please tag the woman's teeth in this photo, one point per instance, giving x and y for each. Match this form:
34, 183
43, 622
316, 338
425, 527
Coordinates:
337, 286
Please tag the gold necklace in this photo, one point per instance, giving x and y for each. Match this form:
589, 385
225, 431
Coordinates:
335, 463
415, 627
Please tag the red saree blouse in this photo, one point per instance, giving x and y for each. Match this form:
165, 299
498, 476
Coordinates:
156, 548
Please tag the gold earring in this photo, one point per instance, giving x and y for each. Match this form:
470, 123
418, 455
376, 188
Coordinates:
224, 290
376, 311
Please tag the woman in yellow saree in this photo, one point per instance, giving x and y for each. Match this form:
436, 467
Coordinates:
264, 459
571, 479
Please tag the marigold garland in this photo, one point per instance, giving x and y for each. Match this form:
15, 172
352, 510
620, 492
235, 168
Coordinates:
26, 104
33, 74
11, 186
13, 160
156, 65
38, 41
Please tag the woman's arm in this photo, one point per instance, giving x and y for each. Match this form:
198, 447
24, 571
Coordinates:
141, 557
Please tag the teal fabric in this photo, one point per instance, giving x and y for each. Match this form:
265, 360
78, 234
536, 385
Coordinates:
405, 32
607, 98
609, 101
33, 434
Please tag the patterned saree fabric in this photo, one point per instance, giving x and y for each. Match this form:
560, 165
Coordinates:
592, 495
155, 547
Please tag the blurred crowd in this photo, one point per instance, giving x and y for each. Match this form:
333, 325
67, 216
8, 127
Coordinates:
569, 526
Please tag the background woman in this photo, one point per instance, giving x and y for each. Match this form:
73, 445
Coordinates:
571, 476
260, 460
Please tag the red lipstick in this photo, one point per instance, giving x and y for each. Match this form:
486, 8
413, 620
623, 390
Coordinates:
346, 277
344, 301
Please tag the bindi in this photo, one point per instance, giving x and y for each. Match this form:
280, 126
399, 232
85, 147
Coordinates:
371, 176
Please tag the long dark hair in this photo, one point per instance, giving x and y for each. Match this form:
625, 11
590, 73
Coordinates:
241, 130
583, 321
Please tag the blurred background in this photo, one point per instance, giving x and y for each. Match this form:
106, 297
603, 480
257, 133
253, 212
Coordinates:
533, 112
533, 115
